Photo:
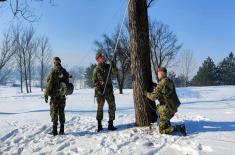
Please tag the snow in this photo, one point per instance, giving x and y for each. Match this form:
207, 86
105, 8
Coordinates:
208, 112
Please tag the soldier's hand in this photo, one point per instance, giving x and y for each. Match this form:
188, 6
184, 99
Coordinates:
154, 84
46, 99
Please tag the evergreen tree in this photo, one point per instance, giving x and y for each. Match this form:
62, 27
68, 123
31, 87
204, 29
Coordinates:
89, 75
226, 70
206, 76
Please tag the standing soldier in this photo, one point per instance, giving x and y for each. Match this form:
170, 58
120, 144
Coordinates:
57, 102
165, 93
100, 82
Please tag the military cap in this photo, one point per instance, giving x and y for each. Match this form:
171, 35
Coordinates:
57, 59
98, 55
162, 69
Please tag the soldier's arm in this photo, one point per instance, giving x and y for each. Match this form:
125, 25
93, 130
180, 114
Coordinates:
96, 83
157, 93
48, 84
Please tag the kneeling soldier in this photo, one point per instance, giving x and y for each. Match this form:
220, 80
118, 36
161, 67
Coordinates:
165, 93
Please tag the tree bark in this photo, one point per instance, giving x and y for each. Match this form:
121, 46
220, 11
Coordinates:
145, 110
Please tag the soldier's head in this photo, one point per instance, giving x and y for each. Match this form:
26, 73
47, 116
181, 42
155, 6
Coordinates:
100, 58
56, 61
161, 72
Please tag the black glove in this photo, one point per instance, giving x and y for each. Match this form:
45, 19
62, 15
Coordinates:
46, 99
154, 84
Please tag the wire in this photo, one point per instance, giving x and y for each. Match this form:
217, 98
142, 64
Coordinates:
115, 49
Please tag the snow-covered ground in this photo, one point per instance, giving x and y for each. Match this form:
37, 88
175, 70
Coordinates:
208, 112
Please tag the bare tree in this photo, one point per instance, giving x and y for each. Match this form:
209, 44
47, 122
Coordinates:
187, 64
123, 61
140, 62
164, 45
19, 56
6, 54
121, 58
6, 49
25, 54
149, 3
22, 8
31, 57
44, 56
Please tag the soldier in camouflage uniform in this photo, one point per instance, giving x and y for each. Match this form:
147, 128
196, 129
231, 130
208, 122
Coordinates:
169, 102
100, 75
57, 102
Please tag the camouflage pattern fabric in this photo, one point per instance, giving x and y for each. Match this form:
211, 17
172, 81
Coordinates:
57, 106
57, 102
166, 94
112, 107
165, 117
100, 75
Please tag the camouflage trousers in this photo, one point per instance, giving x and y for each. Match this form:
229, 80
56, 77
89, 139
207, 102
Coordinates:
165, 115
111, 103
57, 106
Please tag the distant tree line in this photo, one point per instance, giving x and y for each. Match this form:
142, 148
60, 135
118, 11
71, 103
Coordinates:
210, 74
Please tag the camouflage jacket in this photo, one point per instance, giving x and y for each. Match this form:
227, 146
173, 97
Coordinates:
165, 93
100, 74
55, 77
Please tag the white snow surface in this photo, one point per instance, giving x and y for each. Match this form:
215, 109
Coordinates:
208, 112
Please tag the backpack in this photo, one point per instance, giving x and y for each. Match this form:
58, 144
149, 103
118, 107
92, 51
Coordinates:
65, 87
59, 84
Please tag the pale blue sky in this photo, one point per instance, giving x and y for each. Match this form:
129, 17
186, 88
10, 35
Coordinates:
205, 26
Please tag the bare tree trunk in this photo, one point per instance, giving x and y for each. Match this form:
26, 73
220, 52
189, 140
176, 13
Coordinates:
145, 110
120, 80
21, 75
25, 72
30, 74
42, 71
44, 58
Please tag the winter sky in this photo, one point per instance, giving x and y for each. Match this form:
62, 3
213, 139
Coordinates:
204, 26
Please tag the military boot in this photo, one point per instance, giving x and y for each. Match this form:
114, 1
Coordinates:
61, 129
54, 130
111, 127
99, 126
181, 128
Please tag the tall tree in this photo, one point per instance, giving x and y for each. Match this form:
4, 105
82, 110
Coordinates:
7, 51
226, 70
89, 75
206, 76
44, 56
187, 64
145, 112
18, 56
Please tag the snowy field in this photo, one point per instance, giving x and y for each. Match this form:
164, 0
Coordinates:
208, 112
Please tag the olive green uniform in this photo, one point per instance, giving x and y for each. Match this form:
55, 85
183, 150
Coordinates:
100, 75
57, 102
166, 94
